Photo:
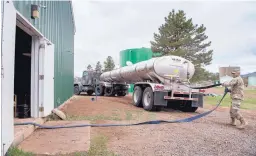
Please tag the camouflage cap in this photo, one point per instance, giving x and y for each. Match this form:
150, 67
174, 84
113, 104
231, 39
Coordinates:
236, 70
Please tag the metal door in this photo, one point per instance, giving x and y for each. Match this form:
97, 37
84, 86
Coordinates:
7, 66
48, 85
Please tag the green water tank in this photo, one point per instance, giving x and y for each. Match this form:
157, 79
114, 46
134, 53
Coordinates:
134, 55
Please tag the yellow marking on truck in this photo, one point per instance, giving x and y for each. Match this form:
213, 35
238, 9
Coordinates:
176, 71
170, 75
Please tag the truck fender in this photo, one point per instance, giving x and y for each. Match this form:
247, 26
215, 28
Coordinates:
79, 85
106, 84
154, 86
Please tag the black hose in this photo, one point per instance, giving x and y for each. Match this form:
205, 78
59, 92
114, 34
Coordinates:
189, 119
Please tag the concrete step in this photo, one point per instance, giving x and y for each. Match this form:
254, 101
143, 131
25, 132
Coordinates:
58, 141
24, 131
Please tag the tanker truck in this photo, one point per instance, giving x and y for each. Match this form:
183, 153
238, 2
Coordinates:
158, 82
90, 83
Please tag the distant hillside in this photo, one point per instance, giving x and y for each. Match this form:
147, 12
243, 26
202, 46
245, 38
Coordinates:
250, 74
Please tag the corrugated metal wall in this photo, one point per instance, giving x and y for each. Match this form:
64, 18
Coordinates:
56, 23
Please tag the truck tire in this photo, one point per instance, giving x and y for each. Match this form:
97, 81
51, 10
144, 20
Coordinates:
137, 96
76, 90
108, 91
99, 90
148, 99
121, 94
89, 92
188, 107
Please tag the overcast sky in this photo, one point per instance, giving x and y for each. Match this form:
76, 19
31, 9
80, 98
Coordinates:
105, 28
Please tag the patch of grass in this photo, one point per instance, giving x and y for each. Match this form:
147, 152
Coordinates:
115, 113
151, 116
99, 147
133, 114
247, 91
128, 115
248, 103
14, 151
138, 115
250, 90
69, 154
92, 118
53, 117
80, 154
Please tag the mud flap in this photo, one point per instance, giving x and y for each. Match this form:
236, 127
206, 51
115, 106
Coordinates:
159, 98
200, 101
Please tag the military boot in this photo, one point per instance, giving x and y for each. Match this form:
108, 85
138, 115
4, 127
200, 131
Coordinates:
243, 123
233, 122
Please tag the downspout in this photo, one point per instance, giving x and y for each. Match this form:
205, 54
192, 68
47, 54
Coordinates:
2, 68
2, 27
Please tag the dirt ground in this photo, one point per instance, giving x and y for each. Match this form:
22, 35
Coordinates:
207, 136
58, 141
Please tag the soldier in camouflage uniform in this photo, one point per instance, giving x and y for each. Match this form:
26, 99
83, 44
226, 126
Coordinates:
237, 95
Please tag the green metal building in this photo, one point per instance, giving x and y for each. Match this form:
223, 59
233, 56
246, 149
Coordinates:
56, 22
37, 53
134, 55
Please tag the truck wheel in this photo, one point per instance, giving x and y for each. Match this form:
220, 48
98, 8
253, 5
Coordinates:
188, 107
99, 90
108, 91
121, 94
113, 94
76, 90
137, 96
148, 99
89, 92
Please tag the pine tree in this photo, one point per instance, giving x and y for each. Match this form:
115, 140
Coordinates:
109, 64
89, 67
98, 66
180, 37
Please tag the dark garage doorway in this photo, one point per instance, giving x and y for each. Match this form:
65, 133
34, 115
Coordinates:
22, 74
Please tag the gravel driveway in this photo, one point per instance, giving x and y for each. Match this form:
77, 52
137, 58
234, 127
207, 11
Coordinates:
208, 136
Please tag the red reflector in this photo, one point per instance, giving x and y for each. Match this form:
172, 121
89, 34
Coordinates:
201, 90
158, 87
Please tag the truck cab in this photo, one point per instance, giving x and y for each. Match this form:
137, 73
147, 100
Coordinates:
87, 83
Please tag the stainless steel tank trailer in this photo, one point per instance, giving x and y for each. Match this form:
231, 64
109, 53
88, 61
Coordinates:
157, 82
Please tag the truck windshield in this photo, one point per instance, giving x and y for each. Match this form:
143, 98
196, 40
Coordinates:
85, 73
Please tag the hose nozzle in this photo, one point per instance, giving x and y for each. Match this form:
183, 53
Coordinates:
226, 90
